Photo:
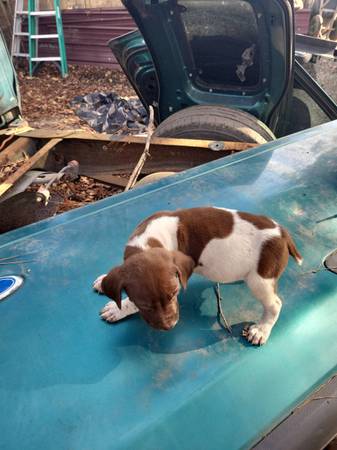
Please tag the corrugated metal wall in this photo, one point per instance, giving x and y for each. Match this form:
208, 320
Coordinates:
82, 4
302, 21
86, 33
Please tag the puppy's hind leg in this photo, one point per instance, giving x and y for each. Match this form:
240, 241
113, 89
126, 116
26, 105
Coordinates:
264, 290
111, 313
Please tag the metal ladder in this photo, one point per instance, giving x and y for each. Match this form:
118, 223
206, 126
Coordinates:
33, 15
18, 34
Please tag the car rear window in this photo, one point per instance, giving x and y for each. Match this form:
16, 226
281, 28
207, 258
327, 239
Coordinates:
223, 38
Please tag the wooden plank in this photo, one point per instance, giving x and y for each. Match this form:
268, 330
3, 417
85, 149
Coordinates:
8, 183
187, 143
46, 133
5, 15
6, 20
113, 139
18, 149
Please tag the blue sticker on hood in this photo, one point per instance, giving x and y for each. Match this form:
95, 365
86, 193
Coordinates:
9, 284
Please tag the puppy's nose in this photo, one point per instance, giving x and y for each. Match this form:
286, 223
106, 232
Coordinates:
162, 326
169, 326
166, 327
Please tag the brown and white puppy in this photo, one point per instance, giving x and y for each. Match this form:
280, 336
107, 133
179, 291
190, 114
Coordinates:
221, 244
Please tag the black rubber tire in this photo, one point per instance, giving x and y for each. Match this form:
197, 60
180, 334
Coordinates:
152, 177
215, 123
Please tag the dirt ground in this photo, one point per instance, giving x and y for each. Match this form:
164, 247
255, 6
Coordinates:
45, 97
325, 73
80, 192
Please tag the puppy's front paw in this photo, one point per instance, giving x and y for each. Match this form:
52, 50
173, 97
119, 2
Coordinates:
256, 334
111, 313
97, 284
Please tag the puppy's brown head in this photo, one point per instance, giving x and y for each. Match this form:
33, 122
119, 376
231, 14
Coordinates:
152, 280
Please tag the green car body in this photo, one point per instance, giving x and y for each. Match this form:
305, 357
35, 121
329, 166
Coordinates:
239, 54
9, 91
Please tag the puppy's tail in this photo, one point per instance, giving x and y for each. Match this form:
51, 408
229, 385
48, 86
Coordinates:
292, 247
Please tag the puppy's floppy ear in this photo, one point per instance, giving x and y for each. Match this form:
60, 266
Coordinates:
185, 265
112, 285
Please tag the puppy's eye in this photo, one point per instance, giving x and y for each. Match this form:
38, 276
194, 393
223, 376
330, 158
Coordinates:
177, 274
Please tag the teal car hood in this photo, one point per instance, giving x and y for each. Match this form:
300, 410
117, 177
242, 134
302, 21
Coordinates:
69, 380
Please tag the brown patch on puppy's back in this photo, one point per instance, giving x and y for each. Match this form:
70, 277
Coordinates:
197, 226
273, 258
260, 222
